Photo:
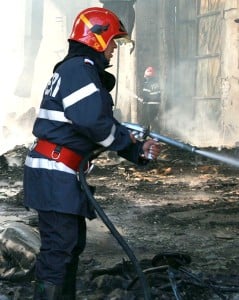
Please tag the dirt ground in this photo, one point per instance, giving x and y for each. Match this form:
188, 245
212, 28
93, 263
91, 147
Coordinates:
178, 216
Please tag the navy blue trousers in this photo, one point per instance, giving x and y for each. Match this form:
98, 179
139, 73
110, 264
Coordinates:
63, 239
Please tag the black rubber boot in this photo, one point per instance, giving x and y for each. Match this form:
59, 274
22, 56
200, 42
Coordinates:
47, 291
69, 286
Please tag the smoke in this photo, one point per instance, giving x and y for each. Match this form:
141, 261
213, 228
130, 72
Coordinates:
28, 52
11, 26
199, 130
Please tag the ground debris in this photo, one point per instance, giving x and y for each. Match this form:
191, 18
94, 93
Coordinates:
182, 203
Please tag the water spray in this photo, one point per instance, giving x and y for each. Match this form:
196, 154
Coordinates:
142, 132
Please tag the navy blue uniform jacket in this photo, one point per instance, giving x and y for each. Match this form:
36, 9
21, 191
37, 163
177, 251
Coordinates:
76, 112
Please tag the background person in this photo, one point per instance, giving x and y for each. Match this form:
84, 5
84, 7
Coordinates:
151, 96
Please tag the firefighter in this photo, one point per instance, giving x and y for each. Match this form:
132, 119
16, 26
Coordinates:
75, 117
151, 96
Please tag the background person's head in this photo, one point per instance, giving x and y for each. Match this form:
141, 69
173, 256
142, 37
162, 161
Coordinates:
149, 72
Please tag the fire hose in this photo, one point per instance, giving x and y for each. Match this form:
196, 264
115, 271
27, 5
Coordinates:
141, 133
144, 132
92, 155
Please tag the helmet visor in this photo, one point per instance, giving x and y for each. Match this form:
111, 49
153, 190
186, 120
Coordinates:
122, 39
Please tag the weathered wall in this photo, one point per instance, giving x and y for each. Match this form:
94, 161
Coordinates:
194, 47
230, 73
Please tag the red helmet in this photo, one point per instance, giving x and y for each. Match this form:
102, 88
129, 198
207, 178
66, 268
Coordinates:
149, 72
96, 26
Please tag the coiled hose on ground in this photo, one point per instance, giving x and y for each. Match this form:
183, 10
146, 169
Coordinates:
92, 155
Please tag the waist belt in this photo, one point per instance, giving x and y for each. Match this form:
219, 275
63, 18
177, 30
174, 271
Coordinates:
59, 154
